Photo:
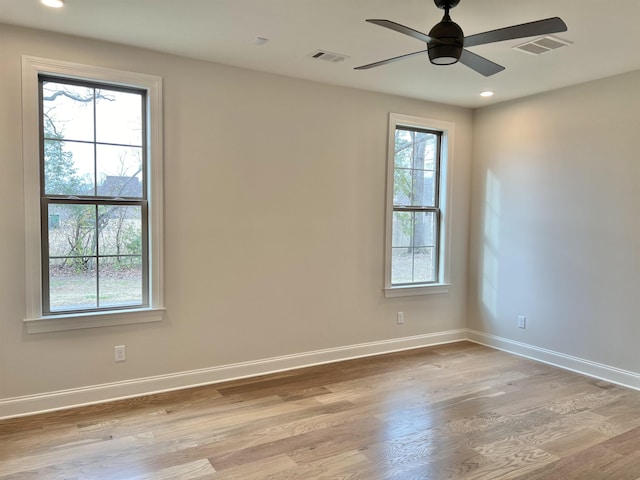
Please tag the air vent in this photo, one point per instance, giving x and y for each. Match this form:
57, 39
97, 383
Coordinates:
328, 56
542, 45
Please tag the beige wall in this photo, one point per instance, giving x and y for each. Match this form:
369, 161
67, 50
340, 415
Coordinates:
274, 223
555, 228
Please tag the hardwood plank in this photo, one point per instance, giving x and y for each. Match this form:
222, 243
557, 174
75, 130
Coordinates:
187, 471
258, 470
305, 447
573, 442
587, 464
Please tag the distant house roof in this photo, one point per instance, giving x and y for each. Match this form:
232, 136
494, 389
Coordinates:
120, 186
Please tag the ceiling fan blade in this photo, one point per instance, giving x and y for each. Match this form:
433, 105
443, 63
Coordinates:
401, 29
479, 64
531, 29
388, 60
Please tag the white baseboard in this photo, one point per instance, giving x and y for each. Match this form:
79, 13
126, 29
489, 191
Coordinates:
31, 404
567, 362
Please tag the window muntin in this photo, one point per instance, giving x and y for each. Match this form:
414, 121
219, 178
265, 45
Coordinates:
94, 222
416, 206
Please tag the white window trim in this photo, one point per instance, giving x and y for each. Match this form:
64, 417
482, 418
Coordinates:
446, 169
35, 321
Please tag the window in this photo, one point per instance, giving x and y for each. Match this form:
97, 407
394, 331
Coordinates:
92, 177
93, 195
417, 220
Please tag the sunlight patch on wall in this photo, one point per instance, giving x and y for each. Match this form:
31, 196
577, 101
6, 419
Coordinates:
490, 263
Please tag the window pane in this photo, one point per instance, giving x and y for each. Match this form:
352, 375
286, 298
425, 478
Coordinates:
424, 229
68, 168
402, 265
414, 244
415, 149
119, 171
424, 265
402, 187
120, 230
402, 229
413, 265
118, 117
415, 163
403, 149
425, 151
414, 229
72, 284
424, 188
120, 281
72, 230
67, 111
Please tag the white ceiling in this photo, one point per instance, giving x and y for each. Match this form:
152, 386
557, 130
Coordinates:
605, 36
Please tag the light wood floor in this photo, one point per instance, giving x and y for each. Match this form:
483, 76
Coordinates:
459, 411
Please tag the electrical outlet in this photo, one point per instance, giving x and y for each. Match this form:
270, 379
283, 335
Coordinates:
400, 318
522, 321
119, 353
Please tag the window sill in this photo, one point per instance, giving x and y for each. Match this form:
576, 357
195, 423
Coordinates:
93, 320
414, 290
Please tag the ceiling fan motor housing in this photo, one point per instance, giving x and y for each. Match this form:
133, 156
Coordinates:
446, 4
448, 42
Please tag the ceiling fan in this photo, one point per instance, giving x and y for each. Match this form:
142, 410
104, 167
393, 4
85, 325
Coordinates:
446, 43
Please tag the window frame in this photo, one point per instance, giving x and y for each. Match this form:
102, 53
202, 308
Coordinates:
444, 196
32, 69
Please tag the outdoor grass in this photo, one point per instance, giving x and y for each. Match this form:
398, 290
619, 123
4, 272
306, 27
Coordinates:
75, 291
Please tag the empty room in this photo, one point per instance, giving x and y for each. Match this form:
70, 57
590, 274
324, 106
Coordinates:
296, 239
